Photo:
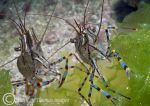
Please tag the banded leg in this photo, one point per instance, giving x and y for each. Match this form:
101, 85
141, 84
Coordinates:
103, 81
99, 73
17, 84
115, 54
46, 73
66, 66
104, 93
83, 83
80, 88
89, 95
91, 77
107, 86
44, 83
94, 67
108, 96
80, 69
64, 74
110, 89
60, 60
122, 63
91, 83
64, 58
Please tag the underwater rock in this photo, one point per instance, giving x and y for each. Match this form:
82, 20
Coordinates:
27, 6
122, 9
51, 37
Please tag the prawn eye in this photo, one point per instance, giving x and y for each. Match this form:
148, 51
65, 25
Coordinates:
93, 29
84, 32
17, 49
73, 40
